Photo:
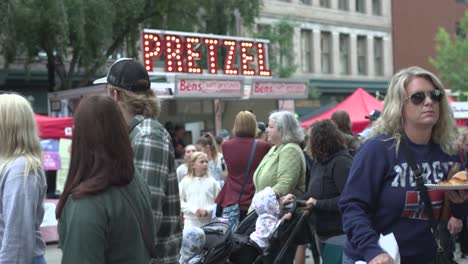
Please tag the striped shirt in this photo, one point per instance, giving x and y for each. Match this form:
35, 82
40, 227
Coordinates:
154, 158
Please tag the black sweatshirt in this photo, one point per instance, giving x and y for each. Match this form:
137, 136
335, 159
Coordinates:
327, 181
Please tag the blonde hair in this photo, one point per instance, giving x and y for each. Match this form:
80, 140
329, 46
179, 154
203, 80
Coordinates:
146, 104
19, 133
391, 118
193, 158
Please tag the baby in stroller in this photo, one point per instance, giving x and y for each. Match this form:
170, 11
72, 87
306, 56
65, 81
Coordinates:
266, 232
268, 208
209, 244
192, 245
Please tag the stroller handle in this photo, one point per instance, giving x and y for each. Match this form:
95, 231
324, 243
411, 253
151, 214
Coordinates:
304, 203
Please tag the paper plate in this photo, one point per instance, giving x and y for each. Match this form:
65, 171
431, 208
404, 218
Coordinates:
446, 187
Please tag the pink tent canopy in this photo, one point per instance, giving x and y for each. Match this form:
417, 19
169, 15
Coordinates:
54, 127
358, 105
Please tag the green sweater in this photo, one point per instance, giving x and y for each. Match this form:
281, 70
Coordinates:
104, 229
283, 169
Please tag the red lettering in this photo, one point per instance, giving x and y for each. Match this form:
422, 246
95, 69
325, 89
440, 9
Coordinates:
183, 53
261, 58
231, 45
212, 45
190, 86
192, 55
259, 88
246, 57
174, 59
152, 47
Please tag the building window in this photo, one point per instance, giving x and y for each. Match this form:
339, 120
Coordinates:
325, 48
377, 7
361, 55
306, 2
306, 47
343, 5
361, 6
325, 3
344, 54
378, 56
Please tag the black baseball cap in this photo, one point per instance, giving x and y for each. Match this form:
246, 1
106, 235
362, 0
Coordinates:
261, 126
128, 74
373, 115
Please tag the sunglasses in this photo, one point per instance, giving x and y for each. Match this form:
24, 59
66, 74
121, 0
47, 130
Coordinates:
418, 97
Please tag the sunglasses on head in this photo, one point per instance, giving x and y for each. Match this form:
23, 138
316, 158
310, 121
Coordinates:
419, 97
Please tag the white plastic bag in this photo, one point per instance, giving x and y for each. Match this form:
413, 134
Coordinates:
389, 244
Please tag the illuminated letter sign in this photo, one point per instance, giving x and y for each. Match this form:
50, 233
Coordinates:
183, 53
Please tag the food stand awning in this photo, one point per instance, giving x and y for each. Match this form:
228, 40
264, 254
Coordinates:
359, 104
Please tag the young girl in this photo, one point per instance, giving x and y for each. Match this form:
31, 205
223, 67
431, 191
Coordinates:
183, 168
198, 191
216, 164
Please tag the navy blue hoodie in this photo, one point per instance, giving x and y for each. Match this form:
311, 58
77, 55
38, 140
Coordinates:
381, 197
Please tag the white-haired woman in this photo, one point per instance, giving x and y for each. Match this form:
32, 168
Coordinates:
283, 167
22, 183
381, 196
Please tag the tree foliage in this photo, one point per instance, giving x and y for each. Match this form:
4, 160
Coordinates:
80, 35
281, 53
452, 56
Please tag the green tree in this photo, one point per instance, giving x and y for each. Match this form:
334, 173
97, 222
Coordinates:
280, 50
452, 56
281, 54
78, 36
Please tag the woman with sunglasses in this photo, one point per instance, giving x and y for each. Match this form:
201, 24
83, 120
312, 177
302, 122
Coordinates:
381, 196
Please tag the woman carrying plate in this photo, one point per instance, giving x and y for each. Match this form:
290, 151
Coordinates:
381, 196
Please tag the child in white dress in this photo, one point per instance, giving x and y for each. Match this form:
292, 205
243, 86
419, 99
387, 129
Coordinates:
198, 191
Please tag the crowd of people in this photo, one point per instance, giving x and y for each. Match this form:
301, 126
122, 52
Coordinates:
125, 201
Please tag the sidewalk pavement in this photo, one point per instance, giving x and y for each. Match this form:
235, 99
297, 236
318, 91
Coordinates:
54, 255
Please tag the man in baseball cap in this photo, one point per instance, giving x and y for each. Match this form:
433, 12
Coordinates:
127, 74
128, 83
373, 115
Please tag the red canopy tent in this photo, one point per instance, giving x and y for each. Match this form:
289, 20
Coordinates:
54, 127
358, 105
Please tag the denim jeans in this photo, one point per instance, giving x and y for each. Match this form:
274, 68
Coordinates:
39, 260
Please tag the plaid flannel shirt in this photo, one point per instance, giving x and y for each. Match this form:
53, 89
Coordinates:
154, 158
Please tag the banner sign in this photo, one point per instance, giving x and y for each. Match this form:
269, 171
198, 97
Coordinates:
50, 154
460, 109
208, 87
279, 89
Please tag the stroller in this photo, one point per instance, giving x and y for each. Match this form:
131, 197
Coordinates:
218, 243
287, 233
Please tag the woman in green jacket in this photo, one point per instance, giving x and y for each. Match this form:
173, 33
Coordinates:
104, 208
283, 168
